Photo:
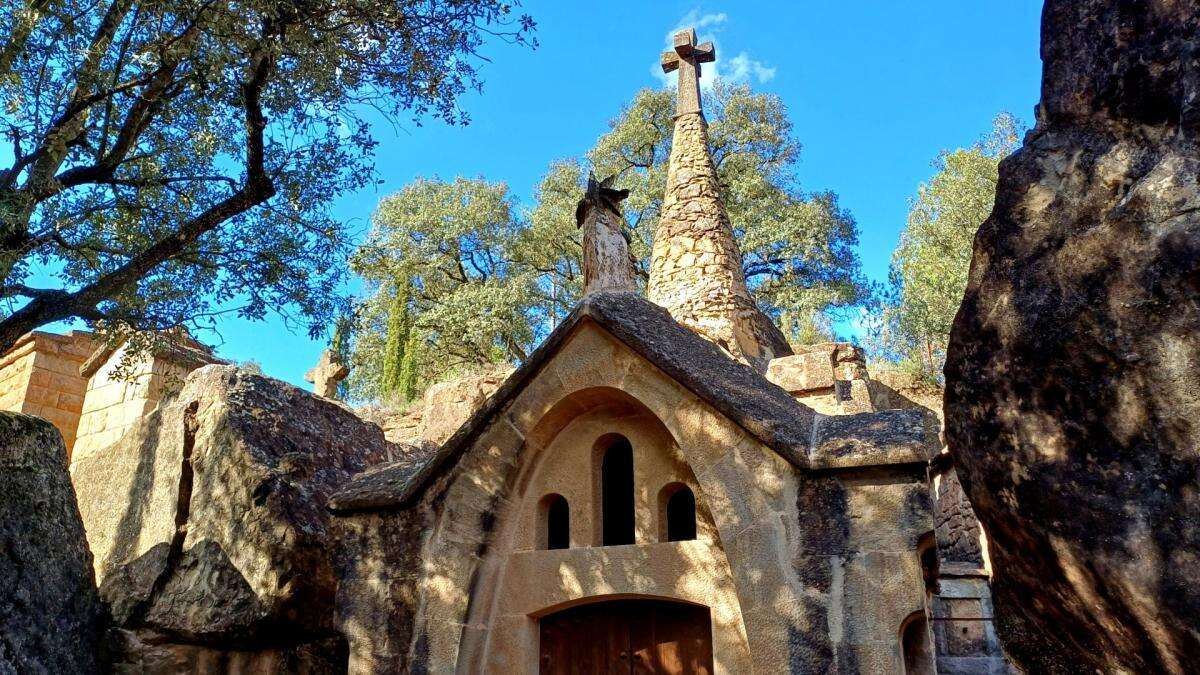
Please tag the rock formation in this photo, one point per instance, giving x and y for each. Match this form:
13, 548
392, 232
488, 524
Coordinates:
50, 614
209, 525
607, 263
696, 267
1074, 363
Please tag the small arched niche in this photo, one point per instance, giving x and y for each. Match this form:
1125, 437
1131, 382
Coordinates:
676, 513
916, 646
614, 477
554, 522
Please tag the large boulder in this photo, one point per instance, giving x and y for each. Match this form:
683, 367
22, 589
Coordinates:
50, 614
1073, 372
209, 519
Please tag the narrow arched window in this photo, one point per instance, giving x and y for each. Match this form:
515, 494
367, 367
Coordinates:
616, 492
555, 515
678, 509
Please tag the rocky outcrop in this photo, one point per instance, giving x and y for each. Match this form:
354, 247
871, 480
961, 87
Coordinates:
50, 614
209, 520
427, 423
1074, 363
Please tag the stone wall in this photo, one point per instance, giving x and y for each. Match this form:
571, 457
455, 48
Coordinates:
829, 377
40, 376
113, 405
440, 411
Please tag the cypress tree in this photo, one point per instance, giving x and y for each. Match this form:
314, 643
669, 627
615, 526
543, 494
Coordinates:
395, 347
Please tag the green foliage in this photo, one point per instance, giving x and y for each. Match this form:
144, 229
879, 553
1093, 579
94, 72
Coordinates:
490, 280
396, 357
453, 244
797, 247
174, 160
929, 267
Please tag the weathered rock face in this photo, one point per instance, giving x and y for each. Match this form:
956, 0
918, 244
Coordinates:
1074, 364
50, 614
209, 522
449, 404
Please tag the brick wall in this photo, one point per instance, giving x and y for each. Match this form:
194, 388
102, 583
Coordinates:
40, 376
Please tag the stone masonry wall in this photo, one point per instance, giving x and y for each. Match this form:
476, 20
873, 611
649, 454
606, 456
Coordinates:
112, 405
40, 376
696, 269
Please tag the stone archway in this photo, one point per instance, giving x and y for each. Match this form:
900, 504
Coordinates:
627, 636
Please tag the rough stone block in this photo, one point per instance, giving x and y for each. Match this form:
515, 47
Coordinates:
50, 613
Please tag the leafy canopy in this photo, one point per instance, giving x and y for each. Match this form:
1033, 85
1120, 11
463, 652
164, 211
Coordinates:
490, 279
167, 161
929, 267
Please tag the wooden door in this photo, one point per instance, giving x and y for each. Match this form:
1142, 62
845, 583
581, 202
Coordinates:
627, 636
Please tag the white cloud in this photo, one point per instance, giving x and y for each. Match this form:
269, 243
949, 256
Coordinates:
737, 70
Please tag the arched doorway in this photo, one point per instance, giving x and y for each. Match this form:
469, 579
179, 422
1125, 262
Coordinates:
627, 636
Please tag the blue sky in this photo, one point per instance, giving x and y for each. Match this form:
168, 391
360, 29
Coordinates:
875, 89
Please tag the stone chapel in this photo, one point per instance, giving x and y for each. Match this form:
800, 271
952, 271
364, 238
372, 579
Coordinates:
652, 491
664, 486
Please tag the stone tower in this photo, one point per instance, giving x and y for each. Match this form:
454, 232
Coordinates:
696, 267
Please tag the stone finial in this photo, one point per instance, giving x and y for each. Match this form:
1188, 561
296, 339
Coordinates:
696, 267
327, 374
607, 263
686, 58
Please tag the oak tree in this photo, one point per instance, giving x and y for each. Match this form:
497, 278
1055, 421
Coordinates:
168, 160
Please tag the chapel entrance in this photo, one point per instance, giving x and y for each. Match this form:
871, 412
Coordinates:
627, 636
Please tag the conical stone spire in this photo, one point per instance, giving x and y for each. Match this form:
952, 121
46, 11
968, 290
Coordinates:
696, 267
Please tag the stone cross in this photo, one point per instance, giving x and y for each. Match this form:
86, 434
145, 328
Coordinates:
687, 58
327, 374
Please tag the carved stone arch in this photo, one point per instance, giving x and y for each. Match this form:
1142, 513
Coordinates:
518, 580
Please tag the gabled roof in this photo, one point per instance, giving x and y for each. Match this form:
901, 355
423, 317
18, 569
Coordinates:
733, 389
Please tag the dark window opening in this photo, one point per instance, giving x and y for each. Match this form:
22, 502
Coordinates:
927, 550
616, 493
558, 522
681, 515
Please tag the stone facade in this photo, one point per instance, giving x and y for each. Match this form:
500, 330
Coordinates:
802, 571
833, 379
40, 376
114, 402
696, 268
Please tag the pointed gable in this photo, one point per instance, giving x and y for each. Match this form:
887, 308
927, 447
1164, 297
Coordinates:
765, 411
